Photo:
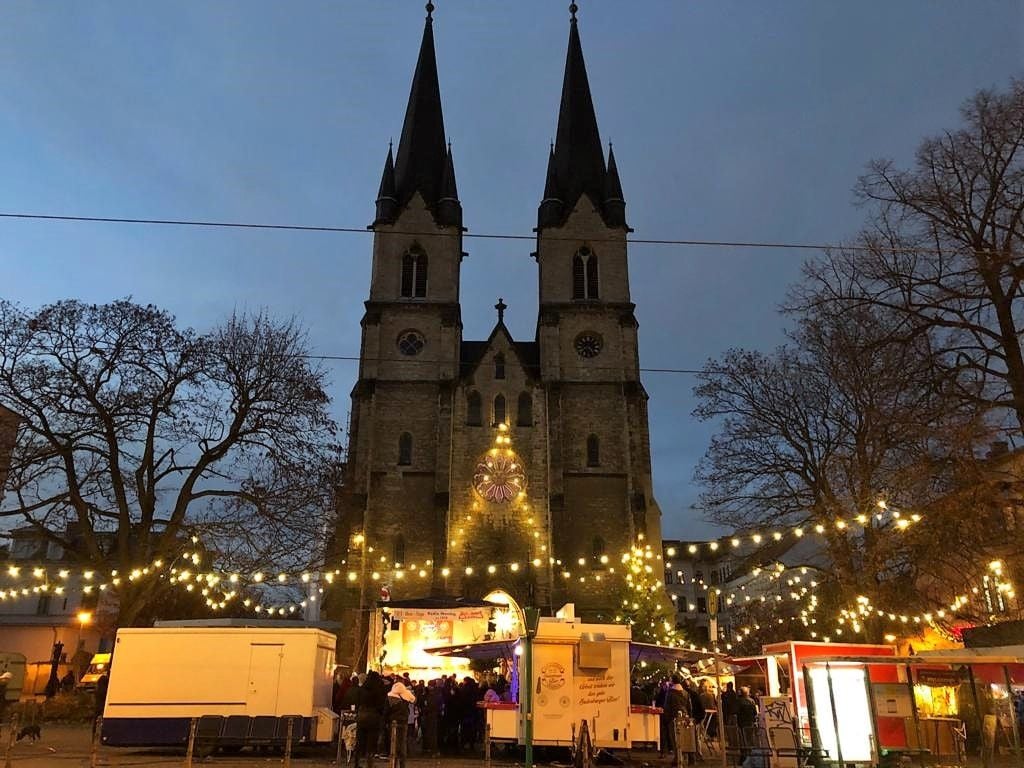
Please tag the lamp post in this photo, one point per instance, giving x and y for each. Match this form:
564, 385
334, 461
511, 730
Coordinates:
532, 617
359, 540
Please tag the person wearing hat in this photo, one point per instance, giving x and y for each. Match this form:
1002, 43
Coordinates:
400, 703
677, 705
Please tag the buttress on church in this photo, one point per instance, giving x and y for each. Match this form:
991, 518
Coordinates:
476, 465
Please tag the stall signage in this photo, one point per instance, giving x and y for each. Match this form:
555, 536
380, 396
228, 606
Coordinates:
938, 678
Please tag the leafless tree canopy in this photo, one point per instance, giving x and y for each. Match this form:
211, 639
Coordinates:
906, 356
138, 435
827, 426
943, 250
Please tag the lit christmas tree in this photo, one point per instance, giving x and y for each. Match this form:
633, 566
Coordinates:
645, 605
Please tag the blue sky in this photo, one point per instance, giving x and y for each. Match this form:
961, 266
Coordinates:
731, 121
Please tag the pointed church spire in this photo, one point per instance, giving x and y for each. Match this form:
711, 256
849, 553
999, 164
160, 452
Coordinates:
448, 209
578, 158
550, 213
422, 160
387, 204
614, 204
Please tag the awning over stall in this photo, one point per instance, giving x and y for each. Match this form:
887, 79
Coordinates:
487, 649
661, 653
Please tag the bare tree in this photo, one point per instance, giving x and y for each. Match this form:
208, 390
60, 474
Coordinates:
942, 250
138, 435
821, 431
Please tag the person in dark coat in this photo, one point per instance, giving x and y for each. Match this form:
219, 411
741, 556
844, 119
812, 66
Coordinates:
677, 705
371, 704
339, 689
746, 709
433, 713
659, 702
100, 698
351, 696
729, 704
696, 705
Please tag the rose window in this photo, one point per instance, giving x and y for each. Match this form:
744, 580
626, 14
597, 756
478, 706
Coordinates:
500, 477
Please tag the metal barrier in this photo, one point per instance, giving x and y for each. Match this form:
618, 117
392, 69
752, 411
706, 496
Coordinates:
393, 751
94, 750
10, 740
193, 725
288, 743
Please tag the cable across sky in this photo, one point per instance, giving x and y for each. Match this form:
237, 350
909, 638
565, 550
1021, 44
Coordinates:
682, 242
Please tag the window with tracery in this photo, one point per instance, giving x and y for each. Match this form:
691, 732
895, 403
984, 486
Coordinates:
524, 415
593, 451
585, 279
474, 409
414, 274
405, 449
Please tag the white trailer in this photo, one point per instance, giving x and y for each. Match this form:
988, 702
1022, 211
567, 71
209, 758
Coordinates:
244, 685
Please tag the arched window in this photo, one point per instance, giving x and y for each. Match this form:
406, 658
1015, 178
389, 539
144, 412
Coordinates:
593, 451
579, 279
414, 274
585, 279
398, 549
499, 409
499, 366
421, 276
405, 449
592, 286
474, 417
524, 415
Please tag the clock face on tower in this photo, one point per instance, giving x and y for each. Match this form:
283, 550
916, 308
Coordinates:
588, 344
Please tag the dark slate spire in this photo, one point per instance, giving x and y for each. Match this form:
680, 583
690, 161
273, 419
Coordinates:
387, 202
422, 160
550, 213
448, 209
614, 204
578, 158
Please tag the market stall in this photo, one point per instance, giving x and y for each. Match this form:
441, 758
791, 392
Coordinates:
924, 696
581, 673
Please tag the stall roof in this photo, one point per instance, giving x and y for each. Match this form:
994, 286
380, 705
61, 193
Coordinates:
955, 657
487, 649
651, 652
436, 603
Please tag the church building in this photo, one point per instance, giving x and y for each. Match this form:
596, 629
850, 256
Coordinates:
500, 463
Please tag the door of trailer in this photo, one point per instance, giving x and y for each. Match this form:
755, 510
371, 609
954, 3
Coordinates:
264, 678
553, 693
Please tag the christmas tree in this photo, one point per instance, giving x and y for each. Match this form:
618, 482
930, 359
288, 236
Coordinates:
644, 604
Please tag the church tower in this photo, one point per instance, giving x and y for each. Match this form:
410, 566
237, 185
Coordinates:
394, 505
477, 465
600, 488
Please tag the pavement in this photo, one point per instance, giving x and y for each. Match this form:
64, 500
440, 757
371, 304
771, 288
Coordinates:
69, 746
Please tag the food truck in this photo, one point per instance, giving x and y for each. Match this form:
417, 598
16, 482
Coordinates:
580, 673
243, 684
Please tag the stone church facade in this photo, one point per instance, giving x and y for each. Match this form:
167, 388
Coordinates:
474, 465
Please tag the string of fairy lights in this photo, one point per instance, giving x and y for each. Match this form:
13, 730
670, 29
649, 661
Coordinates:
500, 477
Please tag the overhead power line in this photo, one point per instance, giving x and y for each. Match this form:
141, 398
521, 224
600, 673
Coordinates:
473, 235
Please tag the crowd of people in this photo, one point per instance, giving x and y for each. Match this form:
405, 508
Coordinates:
695, 702
441, 715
